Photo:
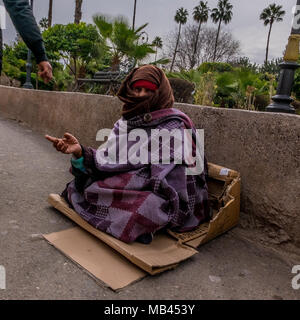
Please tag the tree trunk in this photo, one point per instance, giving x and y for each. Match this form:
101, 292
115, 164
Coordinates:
217, 38
78, 12
134, 12
177, 42
50, 13
268, 42
75, 68
116, 60
155, 54
195, 49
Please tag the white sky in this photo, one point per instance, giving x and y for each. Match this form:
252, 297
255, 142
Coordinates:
245, 26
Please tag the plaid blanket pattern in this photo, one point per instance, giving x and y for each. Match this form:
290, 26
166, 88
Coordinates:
127, 200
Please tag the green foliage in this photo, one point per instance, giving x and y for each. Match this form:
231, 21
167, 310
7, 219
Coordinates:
215, 67
62, 80
201, 12
271, 66
76, 44
72, 40
222, 84
245, 63
157, 42
296, 87
120, 39
44, 23
162, 61
14, 60
273, 13
15, 55
181, 16
192, 75
239, 88
223, 12
11, 70
205, 91
41, 84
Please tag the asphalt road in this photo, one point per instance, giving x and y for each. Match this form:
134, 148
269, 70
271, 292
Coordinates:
226, 268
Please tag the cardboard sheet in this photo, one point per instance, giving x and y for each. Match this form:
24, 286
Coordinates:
98, 259
163, 253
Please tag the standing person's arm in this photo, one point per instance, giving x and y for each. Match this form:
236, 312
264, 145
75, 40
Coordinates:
24, 21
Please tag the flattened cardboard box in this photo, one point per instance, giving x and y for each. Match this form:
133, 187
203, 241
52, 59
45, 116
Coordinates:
127, 263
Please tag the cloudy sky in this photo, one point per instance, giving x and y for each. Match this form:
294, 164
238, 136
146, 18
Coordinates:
245, 26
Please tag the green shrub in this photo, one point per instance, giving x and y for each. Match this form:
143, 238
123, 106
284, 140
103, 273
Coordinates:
41, 84
296, 87
215, 67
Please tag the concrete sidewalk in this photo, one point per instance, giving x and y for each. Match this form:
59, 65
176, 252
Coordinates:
228, 267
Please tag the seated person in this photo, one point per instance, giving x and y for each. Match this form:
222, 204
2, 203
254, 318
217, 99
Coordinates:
131, 201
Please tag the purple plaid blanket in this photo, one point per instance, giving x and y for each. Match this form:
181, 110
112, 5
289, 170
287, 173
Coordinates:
128, 200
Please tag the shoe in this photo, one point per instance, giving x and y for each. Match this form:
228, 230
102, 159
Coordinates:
145, 238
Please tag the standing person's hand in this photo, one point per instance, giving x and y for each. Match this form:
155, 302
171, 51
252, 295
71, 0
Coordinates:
68, 144
45, 71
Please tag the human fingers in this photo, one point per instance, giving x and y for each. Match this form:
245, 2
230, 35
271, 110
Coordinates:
45, 71
60, 145
64, 148
69, 136
44, 75
50, 138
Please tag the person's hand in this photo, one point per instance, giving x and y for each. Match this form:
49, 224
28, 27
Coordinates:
68, 144
45, 71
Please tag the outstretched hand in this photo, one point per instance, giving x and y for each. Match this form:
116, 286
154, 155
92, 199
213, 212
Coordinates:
68, 144
45, 71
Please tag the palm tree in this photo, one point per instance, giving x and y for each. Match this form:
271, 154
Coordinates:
181, 18
157, 43
50, 13
122, 41
78, 12
134, 11
223, 13
44, 24
200, 15
271, 14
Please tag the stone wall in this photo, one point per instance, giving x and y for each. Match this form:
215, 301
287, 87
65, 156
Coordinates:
263, 147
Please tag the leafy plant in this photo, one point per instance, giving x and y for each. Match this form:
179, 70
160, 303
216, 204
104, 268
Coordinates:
76, 44
121, 40
215, 67
205, 90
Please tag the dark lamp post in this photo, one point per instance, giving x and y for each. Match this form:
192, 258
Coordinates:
28, 84
282, 100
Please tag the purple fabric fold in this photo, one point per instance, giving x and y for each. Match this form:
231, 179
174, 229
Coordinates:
128, 200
